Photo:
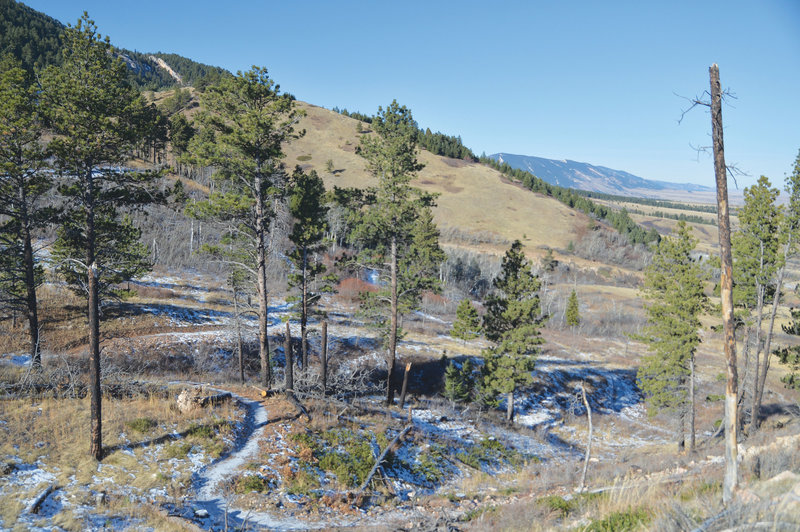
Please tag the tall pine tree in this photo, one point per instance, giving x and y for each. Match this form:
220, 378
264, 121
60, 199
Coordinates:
396, 229
673, 290
468, 324
512, 322
307, 207
243, 127
23, 183
98, 119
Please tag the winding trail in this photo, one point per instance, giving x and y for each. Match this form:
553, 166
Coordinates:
213, 497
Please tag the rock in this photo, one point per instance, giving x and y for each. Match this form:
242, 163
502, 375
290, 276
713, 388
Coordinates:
100, 498
201, 513
187, 400
746, 496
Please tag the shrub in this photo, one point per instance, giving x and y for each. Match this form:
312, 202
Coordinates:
141, 425
248, 483
620, 521
558, 504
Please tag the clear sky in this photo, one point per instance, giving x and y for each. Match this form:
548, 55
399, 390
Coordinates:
591, 81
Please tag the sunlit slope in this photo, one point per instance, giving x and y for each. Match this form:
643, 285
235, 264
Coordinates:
473, 197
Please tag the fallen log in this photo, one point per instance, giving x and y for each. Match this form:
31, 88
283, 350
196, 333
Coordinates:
381, 458
36, 504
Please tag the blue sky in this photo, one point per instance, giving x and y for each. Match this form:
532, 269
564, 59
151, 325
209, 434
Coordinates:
591, 81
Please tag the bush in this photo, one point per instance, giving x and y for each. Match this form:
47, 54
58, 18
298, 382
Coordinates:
141, 425
620, 521
248, 483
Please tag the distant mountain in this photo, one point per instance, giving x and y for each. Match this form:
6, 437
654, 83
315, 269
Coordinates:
585, 176
35, 39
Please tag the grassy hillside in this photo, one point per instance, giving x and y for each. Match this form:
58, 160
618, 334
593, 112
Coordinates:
473, 197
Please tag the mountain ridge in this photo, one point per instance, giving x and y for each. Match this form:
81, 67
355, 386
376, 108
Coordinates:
593, 178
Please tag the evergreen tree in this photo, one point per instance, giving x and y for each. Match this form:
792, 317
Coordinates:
512, 322
790, 356
572, 313
243, 127
396, 228
97, 117
23, 183
757, 260
468, 324
459, 382
673, 289
306, 196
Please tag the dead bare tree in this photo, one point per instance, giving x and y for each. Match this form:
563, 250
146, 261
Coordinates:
731, 479
589, 439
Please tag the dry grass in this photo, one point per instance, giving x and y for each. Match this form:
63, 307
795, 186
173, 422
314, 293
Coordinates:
474, 198
54, 435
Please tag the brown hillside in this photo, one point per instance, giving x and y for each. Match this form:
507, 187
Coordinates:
473, 197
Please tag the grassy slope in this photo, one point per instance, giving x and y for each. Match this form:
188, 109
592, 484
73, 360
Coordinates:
473, 197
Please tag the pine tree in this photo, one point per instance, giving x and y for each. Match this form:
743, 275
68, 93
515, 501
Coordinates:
244, 125
512, 322
306, 196
673, 289
572, 313
468, 324
459, 382
23, 184
98, 119
757, 260
396, 228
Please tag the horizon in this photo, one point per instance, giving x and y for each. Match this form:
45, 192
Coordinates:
604, 84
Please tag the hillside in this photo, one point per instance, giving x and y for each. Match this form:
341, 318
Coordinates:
35, 39
585, 176
472, 196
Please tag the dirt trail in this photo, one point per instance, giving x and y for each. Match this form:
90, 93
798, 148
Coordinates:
212, 496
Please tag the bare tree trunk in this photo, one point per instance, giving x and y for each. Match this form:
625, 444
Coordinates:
731, 480
755, 420
263, 295
692, 402
405, 385
287, 348
324, 358
304, 313
757, 362
680, 430
31, 305
510, 407
392, 324
94, 364
588, 439
238, 333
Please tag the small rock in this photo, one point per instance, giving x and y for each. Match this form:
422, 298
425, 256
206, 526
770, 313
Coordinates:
201, 513
100, 498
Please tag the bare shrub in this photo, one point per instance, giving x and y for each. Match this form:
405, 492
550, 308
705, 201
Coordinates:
610, 247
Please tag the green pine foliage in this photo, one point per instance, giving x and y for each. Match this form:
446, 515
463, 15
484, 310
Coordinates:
99, 119
673, 291
242, 129
512, 322
468, 323
459, 382
394, 225
24, 183
31, 37
572, 314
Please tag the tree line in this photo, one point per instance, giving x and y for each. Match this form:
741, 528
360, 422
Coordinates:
618, 219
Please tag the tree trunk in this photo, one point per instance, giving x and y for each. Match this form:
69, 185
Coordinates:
731, 479
324, 358
757, 362
94, 364
31, 305
238, 333
692, 402
510, 407
755, 420
681, 441
588, 439
405, 385
304, 313
392, 324
263, 296
287, 348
